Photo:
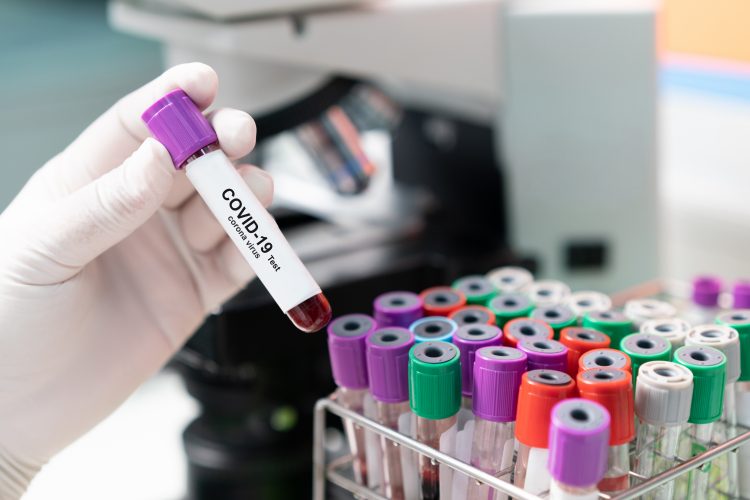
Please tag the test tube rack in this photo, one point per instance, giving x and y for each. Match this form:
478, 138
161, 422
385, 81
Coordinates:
339, 470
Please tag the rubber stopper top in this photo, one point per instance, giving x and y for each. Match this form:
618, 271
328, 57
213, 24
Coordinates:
612, 323
510, 278
434, 380
578, 442
388, 363
523, 328
540, 391
672, 329
723, 338
497, 378
548, 292
433, 328
176, 122
544, 354
709, 375
441, 300
347, 349
663, 393
588, 301
476, 288
604, 358
612, 389
739, 319
397, 308
557, 316
472, 315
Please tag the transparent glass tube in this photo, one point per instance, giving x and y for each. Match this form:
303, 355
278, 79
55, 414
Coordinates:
656, 451
393, 482
428, 432
530, 472
353, 399
559, 491
491, 451
617, 477
730, 430
698, 480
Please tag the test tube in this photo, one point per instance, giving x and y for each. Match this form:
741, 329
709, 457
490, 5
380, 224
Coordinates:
510, 278
725, 339
497, 378
548, 292
435, 398
708, 366
612, 323
604, 358
558, 317
397, 309
388, 371
347, 349
433, 328
644, 347
525, 328
739, 319
476, 288
540, 391
473, 315
544, 354
468, 339
176, 122
705, 295
587, 301
509, 306
578, 448
672, 329
441, 300
579, 341
612, 388
663, 394
640, 310
741, 295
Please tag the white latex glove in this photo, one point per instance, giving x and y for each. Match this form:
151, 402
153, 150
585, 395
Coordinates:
108, 262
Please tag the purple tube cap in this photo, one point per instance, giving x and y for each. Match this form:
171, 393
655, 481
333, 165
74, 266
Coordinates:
706, 290
347, 349
175, 121
388, 363
398, 308
469, 339
497, 378
578, 442
544, 354
741, 295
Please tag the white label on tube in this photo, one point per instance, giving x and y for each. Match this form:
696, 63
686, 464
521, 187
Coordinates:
537, 476
252, 229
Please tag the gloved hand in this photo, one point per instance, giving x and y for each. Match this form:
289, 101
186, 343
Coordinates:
108, 262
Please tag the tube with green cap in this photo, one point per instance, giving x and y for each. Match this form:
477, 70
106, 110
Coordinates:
476, 288
435, 398
557, 316
708, 366
645, 347
612, 323
509, 306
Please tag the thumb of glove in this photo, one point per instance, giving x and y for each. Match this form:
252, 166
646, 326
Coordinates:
104, 212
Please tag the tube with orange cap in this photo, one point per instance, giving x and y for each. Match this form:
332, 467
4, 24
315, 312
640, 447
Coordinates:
525, 328
579, 341
604, 358
441, 300
540, 391
473, 315
612, 388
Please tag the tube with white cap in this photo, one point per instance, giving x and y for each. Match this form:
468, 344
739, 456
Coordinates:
175, 121
388, 370
642, 310
497, 378
510, 278
663, 393
347, 349
585, 302
548, 292
672, 329
578, 447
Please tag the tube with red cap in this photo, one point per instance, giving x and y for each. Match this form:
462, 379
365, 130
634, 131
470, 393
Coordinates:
540, 391
473, 315
388, 370
579, 341
525, 328
497, 379
441, 300
545, 354
347, 349
604, 358
175, 121
578, 445
612, 388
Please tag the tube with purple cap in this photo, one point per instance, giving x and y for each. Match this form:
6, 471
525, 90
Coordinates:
545, 354
347, 350
578, 447
497, 379
388, 369
468, 339
705, 295
397, 309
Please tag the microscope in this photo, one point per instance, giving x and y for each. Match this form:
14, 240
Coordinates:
411, 142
